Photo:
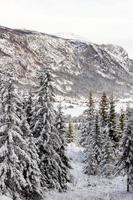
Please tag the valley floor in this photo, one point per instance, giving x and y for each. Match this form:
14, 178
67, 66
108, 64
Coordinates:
94, 188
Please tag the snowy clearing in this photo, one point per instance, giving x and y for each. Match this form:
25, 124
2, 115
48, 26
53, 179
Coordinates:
95, 188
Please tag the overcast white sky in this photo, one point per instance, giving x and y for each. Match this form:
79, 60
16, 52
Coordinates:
99, 21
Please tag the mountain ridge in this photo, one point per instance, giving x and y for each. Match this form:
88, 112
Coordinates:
77, 66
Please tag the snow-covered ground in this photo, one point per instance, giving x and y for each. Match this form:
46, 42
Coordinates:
75, 107
94, 188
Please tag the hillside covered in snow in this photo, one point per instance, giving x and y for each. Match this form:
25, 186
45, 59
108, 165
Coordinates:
77, 66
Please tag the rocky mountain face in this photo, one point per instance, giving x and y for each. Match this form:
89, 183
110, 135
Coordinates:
77, 66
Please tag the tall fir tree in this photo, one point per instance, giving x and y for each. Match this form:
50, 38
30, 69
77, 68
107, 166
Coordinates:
126, 161
48, 140
107, 159
97, 142
121, 124
31, 171
70, 132
61, 127
88, 122
89, 138
28, 104
104, 110
93, 151
13, 154
112, 121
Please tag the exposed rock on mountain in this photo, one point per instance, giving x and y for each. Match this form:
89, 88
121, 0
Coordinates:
78, 67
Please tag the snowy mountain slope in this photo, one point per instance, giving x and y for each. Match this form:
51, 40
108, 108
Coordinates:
78, 66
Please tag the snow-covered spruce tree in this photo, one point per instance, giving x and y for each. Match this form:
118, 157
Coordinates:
114, 129
16, 152
82, 130
97, 142
126, 161
112, 121
28, 109
70, 132
47, 138
88, 138
93, 151
107, 159
31, 171
60, 126
87, 122
121, 124
12, 145
104, 110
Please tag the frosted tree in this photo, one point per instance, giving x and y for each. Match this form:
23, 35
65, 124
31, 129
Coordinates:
60, 124
93, 151
88, 138
82, 130
70, 132
104, 110
28, 104
114, 132
88, 122
42, 130
31, 171
107, 160
19, 173
112, 121
97, 143
12, 145
126, 161
61, 128
38, 109
121, 124
47, 138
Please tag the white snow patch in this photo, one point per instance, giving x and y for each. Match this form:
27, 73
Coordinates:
89, 188
74, 110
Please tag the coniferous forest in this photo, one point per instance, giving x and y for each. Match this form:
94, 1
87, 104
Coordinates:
34, 137
32, 141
